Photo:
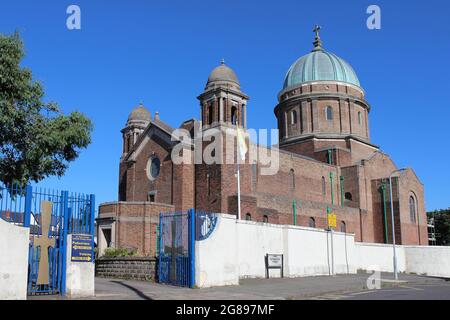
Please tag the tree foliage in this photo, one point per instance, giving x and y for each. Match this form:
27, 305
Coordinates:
441, 225
36, 139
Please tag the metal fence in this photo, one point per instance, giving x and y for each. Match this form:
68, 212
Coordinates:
175, 249
177, 234
71, 213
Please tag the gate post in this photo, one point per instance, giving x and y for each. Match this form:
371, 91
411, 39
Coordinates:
92, 221
27, 211
65, 215
191, 237
160, 235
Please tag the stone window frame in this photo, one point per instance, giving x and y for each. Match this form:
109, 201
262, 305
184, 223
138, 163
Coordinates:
329, 113
412, 204
292, 179
324, 187
148, 167
293, 117
151, 194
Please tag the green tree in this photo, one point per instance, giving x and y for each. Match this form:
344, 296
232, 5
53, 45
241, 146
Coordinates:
36, 139
441, 225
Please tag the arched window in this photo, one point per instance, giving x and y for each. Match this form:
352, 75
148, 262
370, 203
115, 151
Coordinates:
210, 114
412, 209
359, 118
248, 216
234, 115
292, 179
312, 222
294, 117
254, 172
265, 219
348, 196
343, 227
324, 190
208, 183
329, 113
153, 168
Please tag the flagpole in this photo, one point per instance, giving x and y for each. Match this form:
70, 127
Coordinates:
239, 190
240, 155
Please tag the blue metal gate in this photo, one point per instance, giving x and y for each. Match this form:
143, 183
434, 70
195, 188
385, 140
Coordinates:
51, 215
177, 235
176, 249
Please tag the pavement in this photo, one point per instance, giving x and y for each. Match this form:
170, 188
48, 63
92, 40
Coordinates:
340, 287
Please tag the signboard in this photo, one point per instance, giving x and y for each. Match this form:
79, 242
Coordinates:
274, 261
82, 249
332, 220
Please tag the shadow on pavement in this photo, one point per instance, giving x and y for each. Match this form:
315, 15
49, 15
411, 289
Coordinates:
138, 292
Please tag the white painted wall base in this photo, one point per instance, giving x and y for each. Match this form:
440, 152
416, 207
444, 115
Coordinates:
14, 242
80, 276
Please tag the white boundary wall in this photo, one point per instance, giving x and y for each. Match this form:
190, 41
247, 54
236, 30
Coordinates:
379, 257
236, 249
14, 242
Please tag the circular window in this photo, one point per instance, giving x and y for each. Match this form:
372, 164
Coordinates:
153, 168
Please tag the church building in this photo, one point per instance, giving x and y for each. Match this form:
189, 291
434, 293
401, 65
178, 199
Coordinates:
327, 163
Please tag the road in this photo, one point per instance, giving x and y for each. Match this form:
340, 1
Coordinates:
345, 287
432, 291
341, 287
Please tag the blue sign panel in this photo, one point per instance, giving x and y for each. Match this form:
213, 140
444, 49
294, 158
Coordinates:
82, 248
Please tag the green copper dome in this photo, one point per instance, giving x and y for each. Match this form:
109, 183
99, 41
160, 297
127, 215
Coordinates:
319, 65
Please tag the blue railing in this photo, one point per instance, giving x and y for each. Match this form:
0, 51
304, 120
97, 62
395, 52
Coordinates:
176, 263
12, 203
72, 213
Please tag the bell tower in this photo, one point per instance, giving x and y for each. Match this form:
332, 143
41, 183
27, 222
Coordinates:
137, 121
222, 101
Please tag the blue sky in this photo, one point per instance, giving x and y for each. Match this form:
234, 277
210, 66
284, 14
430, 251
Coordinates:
161, 52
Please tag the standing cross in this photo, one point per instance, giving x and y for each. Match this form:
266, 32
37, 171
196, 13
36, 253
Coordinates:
44, 242
173, 250
316, 30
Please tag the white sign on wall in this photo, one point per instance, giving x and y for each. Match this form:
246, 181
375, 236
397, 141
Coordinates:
274, 260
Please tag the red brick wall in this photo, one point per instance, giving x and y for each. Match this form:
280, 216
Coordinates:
136, 224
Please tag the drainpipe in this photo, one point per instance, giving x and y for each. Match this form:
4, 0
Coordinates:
331, 182
294, 210
330, 157
383, 193
342, 191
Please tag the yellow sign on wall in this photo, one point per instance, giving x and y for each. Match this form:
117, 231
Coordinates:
332, 220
